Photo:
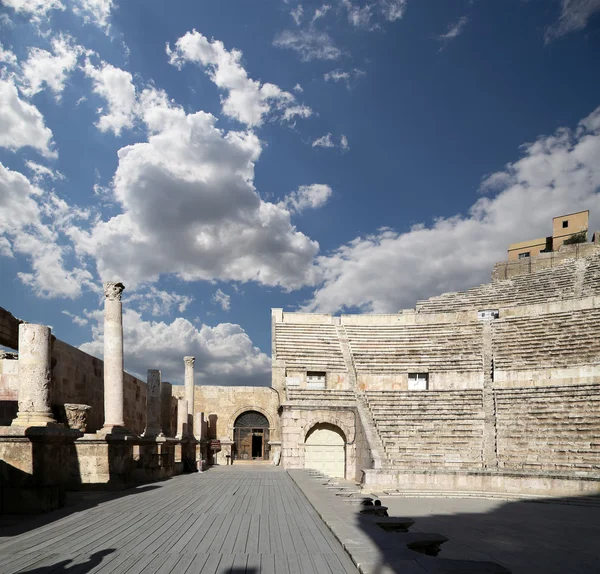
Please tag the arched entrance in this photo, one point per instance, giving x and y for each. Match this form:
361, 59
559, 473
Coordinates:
324, 450
251, 436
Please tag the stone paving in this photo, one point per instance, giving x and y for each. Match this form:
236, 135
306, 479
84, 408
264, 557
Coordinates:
251, 520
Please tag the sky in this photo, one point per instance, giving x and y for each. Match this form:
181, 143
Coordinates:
225, 158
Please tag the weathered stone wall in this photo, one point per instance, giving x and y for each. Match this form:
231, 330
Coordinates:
296, 422
9, 329
222, 405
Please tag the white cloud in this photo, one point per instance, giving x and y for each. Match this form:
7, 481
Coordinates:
575, 15
247, 100
116, 87
454, 30
307, 197
222, 300
297, 13
77, 319
43, 68
95, 12
362, 16
21, 123
359, 16
390, 270
344, 143
310, 44
42, 172
37, 10
298, 88
392, 10
157, 301
31, 222
339, 75
321, 12
189, 208
324, 141
7, 56
224, 354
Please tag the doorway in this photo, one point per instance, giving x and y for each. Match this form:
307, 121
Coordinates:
251, 437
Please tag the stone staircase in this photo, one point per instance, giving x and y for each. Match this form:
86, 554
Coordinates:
322, 398
542, 286
412, 348
429, 429
309, 346
549, 428
552, 340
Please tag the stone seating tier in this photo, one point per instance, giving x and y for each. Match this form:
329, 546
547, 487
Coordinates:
321, 396
549, 428
542, 286
310, 346
436, 347
553, 340
429, 429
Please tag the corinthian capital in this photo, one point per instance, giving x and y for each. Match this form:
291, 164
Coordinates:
112, 291
189, 361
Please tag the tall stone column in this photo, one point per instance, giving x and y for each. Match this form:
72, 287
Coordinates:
182, 418
34, 377
113, 357
189, 390
199, 426
153, 404
166, 392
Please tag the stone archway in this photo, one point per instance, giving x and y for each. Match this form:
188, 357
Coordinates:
325, 450
251, 436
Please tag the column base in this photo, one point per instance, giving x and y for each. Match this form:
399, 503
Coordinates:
33, 420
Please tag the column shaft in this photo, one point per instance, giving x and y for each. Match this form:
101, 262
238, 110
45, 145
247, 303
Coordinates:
113, 356
153, 404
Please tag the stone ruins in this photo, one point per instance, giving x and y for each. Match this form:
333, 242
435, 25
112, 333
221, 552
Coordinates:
492, 390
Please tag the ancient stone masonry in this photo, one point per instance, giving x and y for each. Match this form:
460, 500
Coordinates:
113, 357
34, 376
189, 389
153, 404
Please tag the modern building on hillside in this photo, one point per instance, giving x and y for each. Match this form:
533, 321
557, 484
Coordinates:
564, 228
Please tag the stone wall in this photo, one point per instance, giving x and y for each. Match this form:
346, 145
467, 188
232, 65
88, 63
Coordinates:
9, 329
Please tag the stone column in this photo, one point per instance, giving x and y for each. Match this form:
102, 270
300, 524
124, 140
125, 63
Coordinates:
166, 393
153, 404
189, 389
199, 426
182, 418
34, 377
113, 357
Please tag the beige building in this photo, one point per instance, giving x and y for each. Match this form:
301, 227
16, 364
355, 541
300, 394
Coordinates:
563, 227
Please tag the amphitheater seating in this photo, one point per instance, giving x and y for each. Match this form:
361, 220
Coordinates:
549, 428
553, 340
591, 278
406, 348
320, 397
543, 286
429, 429
310, 347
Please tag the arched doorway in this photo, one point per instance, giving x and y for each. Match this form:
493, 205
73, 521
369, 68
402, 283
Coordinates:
324, 450
251, 436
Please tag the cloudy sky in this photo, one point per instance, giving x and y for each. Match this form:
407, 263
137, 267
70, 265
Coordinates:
222, 158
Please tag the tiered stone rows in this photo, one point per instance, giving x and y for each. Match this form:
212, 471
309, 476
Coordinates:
429, 429
591, 278
322, 397
552, 340
412, 348
310, 347
549, 428
552, 284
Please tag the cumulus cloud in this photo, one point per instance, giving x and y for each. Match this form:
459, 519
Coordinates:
95, 12
307, 197
454, 30
309, 44
116, 87
77, 319
43, 173
222, 300
224, 354
574, 15
37, 10
21, 123
247, 100
7, 56
390, 270
149, 298
51, 69
324, 141
189, 208
31, 223
339, 75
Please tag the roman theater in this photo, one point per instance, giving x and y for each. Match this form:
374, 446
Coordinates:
489, 392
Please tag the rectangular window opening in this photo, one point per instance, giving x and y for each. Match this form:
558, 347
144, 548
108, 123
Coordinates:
565, 223
315, 379
418, 381
524, 255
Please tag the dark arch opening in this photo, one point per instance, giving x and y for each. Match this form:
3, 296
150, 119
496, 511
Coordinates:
251, 436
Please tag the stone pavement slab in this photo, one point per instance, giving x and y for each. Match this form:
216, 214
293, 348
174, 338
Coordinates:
249, 520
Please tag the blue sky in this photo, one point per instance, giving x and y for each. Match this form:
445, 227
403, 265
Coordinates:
223, 158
